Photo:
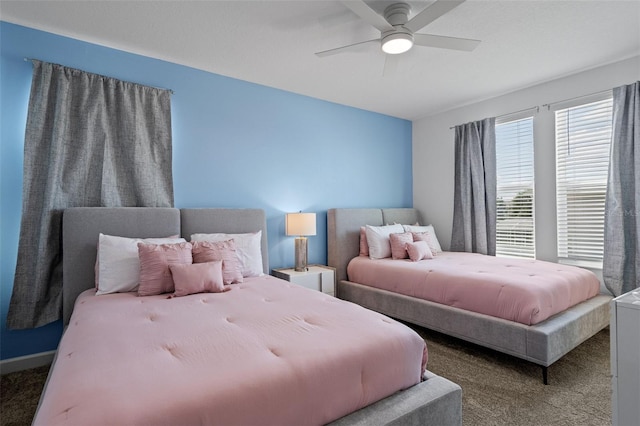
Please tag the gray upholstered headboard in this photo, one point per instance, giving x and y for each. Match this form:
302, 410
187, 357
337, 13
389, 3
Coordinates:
343, 231
82, 225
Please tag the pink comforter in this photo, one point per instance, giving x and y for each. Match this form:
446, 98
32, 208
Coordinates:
525, 291
266, 352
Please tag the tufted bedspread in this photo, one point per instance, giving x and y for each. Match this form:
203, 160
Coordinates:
520, 290
266, 352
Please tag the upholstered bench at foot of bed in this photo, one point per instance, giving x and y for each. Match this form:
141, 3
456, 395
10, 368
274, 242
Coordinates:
435, 401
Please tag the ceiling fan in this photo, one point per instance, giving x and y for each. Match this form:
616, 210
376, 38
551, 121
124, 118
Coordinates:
398, 32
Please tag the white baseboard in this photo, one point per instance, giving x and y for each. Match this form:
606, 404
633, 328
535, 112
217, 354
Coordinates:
25, 362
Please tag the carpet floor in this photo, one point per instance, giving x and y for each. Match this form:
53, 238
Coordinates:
497, 389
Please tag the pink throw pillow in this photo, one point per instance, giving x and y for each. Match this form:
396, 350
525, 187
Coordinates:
209, 251
426, 237
155, 276
197, 278
398, 244
419, 250
364, 246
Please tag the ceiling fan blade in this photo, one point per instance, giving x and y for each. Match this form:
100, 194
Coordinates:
390, 65
443, 42
343, 48
363, 10
431, 13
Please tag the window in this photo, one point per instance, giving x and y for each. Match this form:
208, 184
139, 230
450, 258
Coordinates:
514, 204
583, 138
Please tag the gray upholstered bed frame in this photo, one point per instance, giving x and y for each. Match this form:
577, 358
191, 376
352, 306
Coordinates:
543, 343
434, 401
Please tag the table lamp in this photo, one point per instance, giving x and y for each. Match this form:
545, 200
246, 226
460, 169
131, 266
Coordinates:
301, 225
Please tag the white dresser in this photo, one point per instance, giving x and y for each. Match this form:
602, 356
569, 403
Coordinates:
625, 359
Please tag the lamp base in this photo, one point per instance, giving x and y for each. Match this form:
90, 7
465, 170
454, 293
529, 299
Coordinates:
301, 254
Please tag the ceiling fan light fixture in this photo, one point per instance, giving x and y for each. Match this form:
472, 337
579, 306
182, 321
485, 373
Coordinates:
396, 43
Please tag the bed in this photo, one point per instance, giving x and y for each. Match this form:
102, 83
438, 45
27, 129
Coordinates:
260, 357
542, 343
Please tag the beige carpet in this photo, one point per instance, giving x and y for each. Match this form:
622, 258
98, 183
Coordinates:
497, 389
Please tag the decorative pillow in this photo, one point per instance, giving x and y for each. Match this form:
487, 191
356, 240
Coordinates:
364, 246
209, 251
419, 250
399, 243
155, 259
197, 278
435, 244
427, 237
117, 264
378, 240
248, 246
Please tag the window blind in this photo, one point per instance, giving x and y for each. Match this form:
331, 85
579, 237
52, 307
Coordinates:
514, 167
583, 139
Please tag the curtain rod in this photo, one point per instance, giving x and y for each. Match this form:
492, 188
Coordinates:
536, 108
160, 88
550, 104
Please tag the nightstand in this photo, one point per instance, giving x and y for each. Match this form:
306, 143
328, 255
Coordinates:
318, 277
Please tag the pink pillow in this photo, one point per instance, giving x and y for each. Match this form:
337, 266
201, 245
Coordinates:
155, 276
398, 244
209, 251
426, 237
419, 250
364, 246
197, 278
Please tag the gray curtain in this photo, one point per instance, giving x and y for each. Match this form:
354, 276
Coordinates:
474, 208
90, 141
621, 260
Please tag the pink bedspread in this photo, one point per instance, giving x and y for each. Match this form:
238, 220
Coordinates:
525, 291
267, 352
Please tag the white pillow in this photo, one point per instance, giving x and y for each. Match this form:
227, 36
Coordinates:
378, 239
248, 247
430, 230
117, 264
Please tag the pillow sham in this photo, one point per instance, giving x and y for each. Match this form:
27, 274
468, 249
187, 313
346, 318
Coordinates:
197, 278
399, 243
155, 259
364, 246
435, 244
117, 263
419, 250
378, 240
248, 246
209, 251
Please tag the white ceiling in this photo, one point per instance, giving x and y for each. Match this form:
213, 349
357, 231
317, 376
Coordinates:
273, 43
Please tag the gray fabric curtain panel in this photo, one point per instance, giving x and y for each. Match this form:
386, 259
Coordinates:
621, 259
90, 141
474, 208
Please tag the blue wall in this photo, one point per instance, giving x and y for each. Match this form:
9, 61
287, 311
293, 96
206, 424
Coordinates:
235, 144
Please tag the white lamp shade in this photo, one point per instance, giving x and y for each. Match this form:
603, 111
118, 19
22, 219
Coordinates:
300, 224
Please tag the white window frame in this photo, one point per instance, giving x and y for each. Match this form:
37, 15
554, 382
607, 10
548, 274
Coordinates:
521, 157
580, 238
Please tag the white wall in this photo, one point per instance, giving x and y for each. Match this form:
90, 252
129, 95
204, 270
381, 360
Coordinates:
433, 147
